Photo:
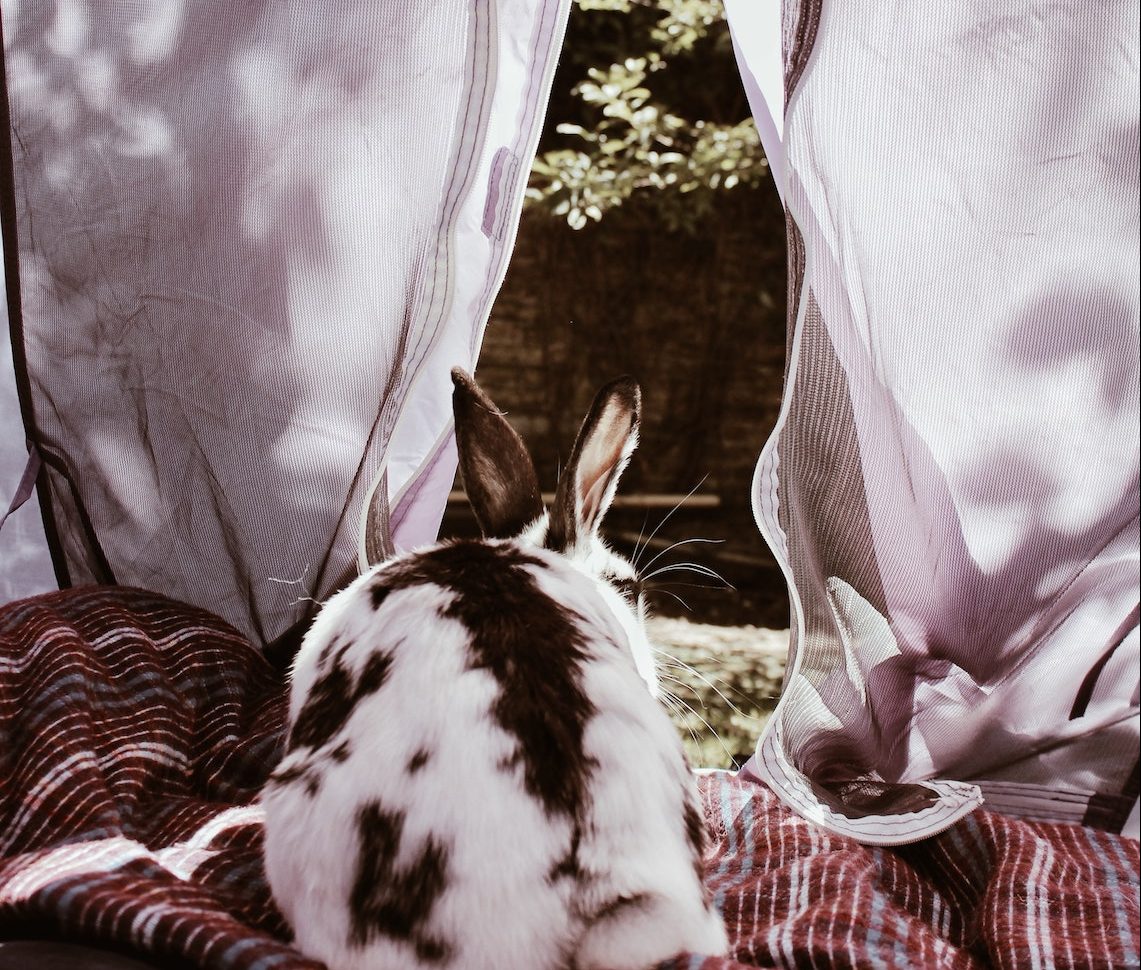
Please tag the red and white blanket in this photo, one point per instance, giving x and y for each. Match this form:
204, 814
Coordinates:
136, 732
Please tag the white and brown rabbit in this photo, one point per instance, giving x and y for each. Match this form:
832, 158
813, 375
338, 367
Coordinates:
478, 774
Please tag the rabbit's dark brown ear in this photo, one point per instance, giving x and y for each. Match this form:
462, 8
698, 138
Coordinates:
601, 452
498, 474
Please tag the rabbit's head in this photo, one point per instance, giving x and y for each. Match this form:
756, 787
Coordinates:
503, 489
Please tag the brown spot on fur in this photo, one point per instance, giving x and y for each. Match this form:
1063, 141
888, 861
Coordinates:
695, 835
619, 904
332, 699
568, 867
303, 772
392, 902
531, 645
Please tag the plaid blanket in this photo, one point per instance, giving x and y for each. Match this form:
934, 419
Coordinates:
135, 734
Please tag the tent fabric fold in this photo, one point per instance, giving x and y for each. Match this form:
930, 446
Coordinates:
952, 485
252, 240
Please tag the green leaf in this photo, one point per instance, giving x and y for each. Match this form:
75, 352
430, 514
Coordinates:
629, 136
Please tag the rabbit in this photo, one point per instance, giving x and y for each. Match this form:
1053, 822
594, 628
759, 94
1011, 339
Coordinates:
478, 774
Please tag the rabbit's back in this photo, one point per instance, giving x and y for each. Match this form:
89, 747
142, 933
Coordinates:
475, 772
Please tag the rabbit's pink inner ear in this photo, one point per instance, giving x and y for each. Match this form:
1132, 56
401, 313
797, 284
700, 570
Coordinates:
605, 442
603, 457
498, 474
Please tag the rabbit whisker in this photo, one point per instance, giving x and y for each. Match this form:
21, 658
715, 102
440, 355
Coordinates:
677, 711
711, 685
693, 567
638, 542
666, 664
684, 586
667, 516
681, 542
689, 687
696, 568
658, 589
709, 727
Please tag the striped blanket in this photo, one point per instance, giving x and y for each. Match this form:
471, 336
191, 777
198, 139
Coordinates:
135, 734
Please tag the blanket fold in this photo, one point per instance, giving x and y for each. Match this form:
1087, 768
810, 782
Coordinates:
135, 734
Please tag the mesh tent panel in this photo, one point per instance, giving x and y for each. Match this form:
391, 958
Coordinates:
247, 258
952, 488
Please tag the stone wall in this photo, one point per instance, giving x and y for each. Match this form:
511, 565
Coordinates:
699, 319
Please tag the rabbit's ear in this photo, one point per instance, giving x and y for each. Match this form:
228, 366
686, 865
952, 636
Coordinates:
605, 442
498, 474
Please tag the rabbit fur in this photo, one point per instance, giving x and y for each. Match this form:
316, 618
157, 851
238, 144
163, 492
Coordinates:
478, 774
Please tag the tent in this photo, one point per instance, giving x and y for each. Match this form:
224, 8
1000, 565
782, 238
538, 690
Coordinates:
244, 244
